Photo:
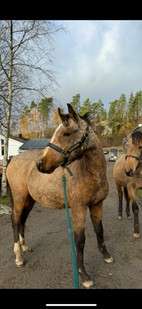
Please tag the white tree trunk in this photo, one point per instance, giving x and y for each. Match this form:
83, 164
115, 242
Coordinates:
5, 159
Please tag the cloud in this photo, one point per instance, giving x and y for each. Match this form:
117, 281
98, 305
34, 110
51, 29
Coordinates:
109, 52
99, 59
83, 32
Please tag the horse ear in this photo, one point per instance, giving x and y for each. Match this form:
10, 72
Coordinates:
72, 113
63, 117
127, 131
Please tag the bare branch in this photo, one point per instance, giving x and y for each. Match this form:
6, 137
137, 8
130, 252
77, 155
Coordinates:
22, 41
31, 73
4, 70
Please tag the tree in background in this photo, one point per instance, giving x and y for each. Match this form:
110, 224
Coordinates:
22, 57
137, 105
117, 112
44, 118
130, 108
34, 120
98, 111
135, 108
55, 118
44, 108
76, 102
86, 107
24, 122
122, 106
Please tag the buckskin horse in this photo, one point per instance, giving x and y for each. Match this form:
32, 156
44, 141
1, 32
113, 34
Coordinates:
37, 176
127, 173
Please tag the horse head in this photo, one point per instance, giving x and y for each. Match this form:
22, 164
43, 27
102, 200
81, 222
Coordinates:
67, 144
134, 153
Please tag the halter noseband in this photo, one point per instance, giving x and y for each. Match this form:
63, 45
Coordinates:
137, 158
67, 152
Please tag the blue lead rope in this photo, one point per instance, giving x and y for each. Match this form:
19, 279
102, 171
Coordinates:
75, 270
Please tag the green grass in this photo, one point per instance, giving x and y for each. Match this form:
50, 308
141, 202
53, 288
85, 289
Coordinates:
139, 193
5, 200
120, 150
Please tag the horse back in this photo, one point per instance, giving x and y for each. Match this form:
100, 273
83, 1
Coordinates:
19, 168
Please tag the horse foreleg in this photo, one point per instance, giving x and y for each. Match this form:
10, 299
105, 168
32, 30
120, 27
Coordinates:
96, 217
78, 220
127, 203
120, 197
136, 219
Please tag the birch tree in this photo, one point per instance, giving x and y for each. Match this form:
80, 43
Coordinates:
24, 68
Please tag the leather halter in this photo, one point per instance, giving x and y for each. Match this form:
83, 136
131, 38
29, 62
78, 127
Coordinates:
137, 158
67, 152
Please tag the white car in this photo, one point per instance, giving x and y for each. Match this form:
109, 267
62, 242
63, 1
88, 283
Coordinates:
113, 154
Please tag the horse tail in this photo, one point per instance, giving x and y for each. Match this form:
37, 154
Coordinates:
9, 189
10, 194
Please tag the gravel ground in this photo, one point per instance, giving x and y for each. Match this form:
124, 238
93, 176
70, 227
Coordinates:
49, 266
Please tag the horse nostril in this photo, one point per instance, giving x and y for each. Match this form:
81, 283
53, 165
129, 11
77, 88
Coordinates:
129, 173
40, 165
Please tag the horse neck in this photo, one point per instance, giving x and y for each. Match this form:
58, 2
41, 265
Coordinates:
93, 159
139, 170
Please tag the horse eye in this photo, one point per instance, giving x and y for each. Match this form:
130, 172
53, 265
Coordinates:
140, 147
66, 134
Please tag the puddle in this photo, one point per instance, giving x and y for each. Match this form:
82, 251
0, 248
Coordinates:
5, 209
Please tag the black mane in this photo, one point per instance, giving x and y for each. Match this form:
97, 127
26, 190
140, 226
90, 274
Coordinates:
85, 117
136, 137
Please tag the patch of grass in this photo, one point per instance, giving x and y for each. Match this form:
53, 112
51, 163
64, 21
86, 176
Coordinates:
5, 200
139, 193
120, 150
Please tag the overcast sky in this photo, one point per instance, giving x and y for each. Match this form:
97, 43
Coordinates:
98, 59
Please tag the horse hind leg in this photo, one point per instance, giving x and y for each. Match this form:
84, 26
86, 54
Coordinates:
135, 208
20, 213
29, 205
127, 203
96, 217
17, 249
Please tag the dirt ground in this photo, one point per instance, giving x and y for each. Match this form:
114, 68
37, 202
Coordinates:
49, 266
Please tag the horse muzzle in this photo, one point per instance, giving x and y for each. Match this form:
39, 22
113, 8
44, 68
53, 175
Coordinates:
40, 167
129, 172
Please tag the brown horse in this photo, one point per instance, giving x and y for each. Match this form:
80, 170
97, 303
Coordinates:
37, 176
128, 174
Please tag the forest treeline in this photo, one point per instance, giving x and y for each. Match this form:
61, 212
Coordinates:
39, 120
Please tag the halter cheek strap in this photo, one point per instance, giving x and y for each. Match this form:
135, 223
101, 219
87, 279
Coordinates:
55, 147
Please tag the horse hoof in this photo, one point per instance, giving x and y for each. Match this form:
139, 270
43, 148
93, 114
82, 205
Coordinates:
119, 217
136, 235
109, 260
19, 263
25, 248
88, 284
